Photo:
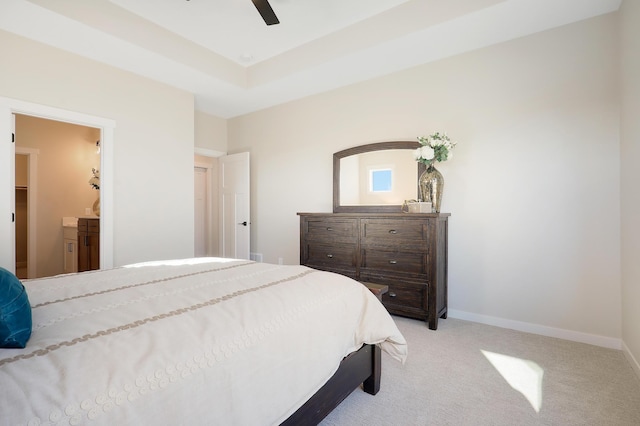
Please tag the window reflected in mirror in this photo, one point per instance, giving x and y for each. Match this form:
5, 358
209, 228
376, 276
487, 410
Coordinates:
381, 180
378, 178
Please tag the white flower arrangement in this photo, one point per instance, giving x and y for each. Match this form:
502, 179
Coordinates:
435, 147
95, 180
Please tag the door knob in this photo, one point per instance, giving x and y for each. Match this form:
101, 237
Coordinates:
243, 223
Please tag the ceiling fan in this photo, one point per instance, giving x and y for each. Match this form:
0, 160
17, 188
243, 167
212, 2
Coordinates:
266, 12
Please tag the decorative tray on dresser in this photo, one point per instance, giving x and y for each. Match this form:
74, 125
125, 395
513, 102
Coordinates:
405, 251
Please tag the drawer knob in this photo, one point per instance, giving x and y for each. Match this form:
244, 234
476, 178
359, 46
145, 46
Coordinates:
393, 231
393, 262
392, 294
329, 228
330, 256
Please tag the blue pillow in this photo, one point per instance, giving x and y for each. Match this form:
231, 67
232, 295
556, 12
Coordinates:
15, 312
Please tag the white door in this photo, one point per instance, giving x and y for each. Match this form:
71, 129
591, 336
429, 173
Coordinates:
235, 234
201, 212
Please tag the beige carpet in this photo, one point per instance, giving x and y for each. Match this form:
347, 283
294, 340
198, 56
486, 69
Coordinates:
450, 379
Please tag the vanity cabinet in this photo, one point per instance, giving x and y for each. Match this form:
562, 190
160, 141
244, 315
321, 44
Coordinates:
70, 238
406, 252
88, 244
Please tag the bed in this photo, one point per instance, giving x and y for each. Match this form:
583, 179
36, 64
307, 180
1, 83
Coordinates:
195, 341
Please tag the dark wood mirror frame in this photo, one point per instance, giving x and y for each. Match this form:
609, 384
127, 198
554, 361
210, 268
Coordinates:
379, 146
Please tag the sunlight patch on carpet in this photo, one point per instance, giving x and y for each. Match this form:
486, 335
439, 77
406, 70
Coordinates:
523, 375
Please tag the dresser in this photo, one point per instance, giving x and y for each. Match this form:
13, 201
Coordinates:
405, 251
88, 244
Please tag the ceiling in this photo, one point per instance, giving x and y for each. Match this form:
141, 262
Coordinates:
222, 51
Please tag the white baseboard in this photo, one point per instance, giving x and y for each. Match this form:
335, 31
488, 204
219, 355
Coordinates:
634, 362
576, 336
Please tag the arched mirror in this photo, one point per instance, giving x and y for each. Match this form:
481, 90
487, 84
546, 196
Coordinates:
375, 178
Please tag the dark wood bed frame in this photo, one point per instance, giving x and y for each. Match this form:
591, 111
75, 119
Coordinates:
361, 367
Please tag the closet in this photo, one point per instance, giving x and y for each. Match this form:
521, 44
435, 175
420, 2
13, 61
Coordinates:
22, 193
21, 222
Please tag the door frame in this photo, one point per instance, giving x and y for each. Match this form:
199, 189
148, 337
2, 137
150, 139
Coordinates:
9, 107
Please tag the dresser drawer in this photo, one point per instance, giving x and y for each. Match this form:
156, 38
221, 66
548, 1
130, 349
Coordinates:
400, 262
331, 229
339, 256
405, 296
394, 232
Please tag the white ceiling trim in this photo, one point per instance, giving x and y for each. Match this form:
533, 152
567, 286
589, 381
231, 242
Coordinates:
226, 95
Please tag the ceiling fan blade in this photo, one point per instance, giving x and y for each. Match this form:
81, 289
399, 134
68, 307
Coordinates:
266, 12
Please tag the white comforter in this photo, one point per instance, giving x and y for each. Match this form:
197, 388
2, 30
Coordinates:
204, 341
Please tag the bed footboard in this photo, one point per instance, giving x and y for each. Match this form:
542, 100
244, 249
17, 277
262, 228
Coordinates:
363, 366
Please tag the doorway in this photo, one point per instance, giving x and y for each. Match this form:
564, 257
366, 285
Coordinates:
205, 214
201, 212
26, 187
67, 155
235, 223
9, 107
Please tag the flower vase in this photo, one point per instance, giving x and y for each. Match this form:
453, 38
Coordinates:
96, 207
431, 184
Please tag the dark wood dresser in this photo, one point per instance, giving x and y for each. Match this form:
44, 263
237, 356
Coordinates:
405, 251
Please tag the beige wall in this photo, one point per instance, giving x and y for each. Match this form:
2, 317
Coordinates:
22, 170
630, 153
153, 143
533, 187
66, 155
210, 132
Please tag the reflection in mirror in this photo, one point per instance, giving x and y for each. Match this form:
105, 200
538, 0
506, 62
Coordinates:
377, 177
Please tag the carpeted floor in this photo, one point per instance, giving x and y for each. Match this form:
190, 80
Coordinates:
473, 374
